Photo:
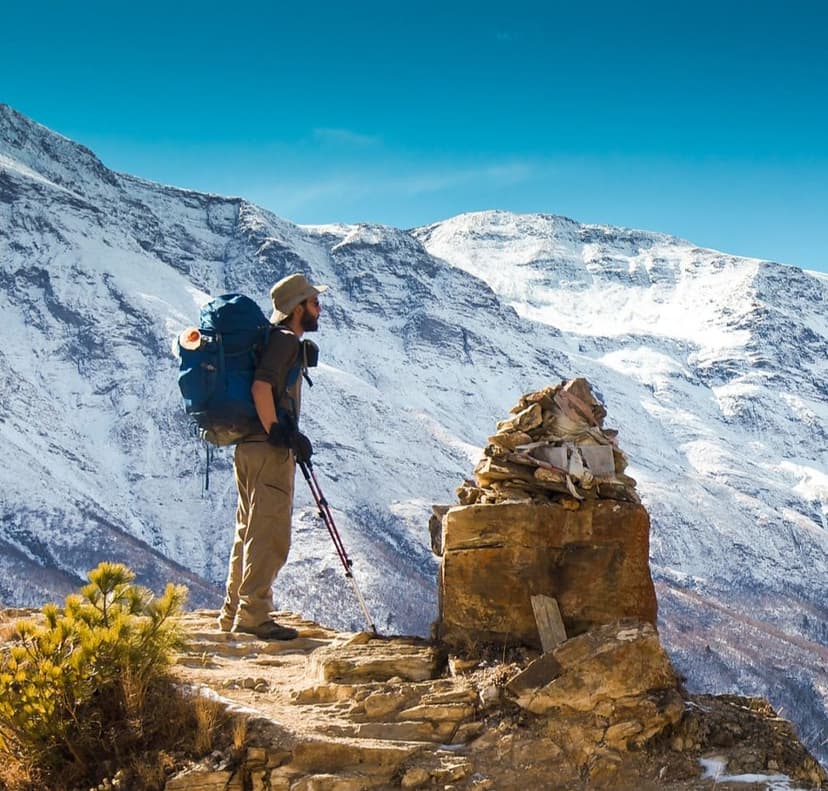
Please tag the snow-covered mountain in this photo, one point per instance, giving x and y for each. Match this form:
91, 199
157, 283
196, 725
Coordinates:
712, 367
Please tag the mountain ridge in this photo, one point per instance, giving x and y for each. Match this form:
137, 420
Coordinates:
712, 367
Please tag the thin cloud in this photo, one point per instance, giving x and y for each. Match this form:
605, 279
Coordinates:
354, 186
293, 197
438, 181
344, 137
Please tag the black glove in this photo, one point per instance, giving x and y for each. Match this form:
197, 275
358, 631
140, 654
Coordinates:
301, 447
283, 437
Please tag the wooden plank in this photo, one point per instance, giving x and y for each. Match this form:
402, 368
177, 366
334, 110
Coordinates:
549, 621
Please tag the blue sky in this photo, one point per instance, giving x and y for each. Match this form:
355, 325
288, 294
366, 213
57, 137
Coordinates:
705, 120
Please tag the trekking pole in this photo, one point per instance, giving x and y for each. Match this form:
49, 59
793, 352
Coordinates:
327, 517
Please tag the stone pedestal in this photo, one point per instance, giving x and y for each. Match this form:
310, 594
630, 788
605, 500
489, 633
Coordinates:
594, 559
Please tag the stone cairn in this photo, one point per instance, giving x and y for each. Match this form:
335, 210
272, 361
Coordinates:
554, 447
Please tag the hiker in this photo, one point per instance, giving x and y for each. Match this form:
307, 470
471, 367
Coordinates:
264, 466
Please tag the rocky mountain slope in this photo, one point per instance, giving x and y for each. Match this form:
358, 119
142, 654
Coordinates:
340, 711
344, 712
712, 367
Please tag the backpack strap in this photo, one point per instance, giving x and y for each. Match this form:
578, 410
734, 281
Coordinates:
207, 460
290, 381
298, 369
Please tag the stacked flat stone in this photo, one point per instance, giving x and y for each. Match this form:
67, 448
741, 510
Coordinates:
554, 447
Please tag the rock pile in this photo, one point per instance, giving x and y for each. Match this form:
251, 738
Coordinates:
553, 447
550, 513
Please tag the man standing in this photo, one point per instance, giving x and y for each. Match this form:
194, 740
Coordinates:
264, 466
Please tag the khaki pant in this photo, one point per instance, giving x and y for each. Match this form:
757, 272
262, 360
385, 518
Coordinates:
264, 478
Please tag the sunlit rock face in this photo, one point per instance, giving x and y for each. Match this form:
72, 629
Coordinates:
592, 558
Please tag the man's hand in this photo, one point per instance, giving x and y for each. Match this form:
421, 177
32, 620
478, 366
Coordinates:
301, 447
283, 437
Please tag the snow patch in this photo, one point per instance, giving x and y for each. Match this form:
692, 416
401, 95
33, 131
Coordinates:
714, 769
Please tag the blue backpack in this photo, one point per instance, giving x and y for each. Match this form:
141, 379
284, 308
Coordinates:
217, 363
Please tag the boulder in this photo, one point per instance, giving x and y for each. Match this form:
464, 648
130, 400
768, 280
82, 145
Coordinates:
593, 558
611, 664
205, 781
359, 662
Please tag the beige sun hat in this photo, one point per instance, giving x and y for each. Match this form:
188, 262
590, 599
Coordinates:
288, 293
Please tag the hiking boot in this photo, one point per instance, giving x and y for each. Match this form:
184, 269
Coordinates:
269, 630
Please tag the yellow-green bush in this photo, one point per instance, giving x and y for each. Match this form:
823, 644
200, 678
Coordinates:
87, 688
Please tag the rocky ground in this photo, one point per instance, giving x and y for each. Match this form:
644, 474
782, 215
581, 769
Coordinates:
345, 712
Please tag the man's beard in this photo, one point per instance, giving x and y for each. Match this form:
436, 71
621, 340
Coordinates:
309, 323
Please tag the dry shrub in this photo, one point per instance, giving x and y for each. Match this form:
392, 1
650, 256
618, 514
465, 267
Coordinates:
208, 714
88, 691
6, 630
14, 776
239, 733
